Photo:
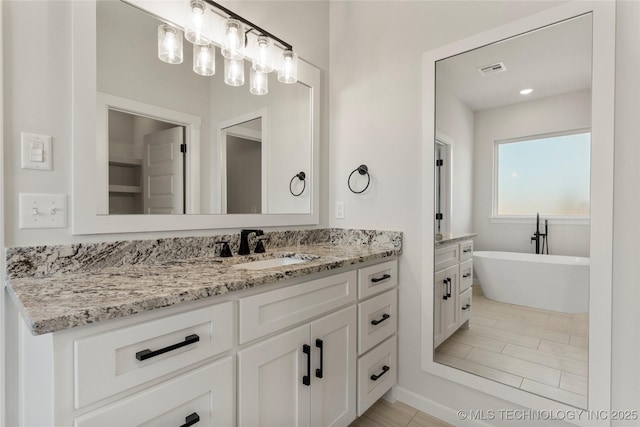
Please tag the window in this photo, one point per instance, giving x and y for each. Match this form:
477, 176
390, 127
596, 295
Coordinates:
546, 174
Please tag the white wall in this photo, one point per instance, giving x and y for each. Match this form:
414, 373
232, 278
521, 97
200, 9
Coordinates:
37, 79
455, 120
375, 119
553, 114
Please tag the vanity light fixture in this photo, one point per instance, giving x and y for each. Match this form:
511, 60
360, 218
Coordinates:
288, 73
526, 91
169, 44
259, 82
198, 22
204, 60
239, 38
263, 59
234, 72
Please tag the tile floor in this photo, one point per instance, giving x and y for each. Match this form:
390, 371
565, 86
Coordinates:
544, 352
386, 414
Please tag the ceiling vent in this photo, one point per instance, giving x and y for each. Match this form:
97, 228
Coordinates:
487, 70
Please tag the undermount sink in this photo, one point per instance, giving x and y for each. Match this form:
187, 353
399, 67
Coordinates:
273, 262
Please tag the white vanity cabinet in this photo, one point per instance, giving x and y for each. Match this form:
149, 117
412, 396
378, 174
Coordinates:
452, 289
315, 352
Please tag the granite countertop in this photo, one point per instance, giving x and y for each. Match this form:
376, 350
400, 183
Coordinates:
448, 238
68, 299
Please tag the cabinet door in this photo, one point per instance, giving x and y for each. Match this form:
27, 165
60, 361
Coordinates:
333, 380
270, 381
439, 292
450, 317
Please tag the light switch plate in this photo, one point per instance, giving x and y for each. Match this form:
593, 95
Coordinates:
36, 151
339, 210
43, 211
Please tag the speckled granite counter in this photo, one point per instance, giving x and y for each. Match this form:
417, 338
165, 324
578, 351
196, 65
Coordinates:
448, 238
95, 291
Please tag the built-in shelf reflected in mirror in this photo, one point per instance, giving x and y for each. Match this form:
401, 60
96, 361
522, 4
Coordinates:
511, 288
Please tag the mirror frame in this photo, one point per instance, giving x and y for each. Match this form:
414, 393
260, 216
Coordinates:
601, 224
85, 197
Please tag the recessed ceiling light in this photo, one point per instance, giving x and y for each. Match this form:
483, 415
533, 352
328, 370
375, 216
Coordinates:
526, 91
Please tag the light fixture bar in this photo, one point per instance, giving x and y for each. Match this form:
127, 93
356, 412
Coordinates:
234, 15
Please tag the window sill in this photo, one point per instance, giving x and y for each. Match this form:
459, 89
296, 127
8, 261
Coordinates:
553, 220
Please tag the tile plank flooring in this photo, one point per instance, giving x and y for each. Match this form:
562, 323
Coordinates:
544, 352
397, 414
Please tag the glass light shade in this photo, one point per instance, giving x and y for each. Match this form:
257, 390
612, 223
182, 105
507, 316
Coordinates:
288, 72
259, 82
233, 47
204, 60
198, 22
169, 44
262, 58
234, 72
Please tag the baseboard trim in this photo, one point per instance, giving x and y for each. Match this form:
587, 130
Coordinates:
434, 408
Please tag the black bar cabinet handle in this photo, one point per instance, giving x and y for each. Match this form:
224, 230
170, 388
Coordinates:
444, 294
466, 275
191, 420
466, 250
380, 279
306, 379
385, 369
147, 354
466, 307
320, 345
377, 322
449, 287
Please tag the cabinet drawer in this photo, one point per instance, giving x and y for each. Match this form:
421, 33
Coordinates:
272, 311
377, 373
466, 250
464, 306
466, 275
377, 320
206, 392
108, 363
446, 256
377, 278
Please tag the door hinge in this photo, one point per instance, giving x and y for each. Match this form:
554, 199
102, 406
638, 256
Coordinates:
439, 162
183, 148
439, 216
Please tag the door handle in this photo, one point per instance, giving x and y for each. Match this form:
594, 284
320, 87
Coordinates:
306, 379
448, 287
320, 345
444, 295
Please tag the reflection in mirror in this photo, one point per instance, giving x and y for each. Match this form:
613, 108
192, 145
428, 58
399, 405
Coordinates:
511, 269
154, 170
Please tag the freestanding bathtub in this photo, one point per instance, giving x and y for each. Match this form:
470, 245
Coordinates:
550, 282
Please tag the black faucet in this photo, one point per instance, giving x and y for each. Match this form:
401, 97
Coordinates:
244, 241
537, 236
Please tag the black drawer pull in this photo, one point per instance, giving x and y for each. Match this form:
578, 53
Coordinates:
380, 279
306, 379
444, 295
191, 420
466, 307
385, 369
377, 322
467, 250
147, 354
466, 276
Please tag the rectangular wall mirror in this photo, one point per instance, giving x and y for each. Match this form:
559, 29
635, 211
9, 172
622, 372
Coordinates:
520, 141
169, 141
517, 115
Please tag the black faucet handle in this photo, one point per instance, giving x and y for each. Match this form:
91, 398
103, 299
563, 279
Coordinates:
225, 252
260, 245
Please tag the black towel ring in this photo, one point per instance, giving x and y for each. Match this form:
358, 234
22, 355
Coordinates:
362, 170
302, 177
